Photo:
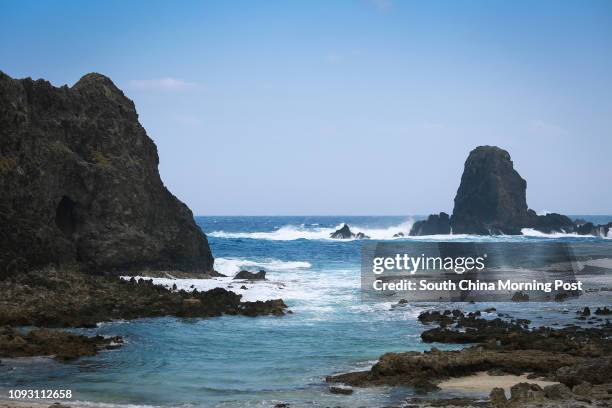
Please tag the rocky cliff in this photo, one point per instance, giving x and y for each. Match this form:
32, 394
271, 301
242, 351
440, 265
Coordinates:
80, 183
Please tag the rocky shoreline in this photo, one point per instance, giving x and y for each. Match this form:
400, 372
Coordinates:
66, 297
577, 359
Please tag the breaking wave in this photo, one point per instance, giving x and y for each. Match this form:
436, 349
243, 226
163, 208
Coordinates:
230, 266
294, 232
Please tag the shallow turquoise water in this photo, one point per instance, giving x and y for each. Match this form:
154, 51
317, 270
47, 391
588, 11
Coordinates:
240, 361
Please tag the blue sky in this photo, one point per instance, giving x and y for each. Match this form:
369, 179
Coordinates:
343, 107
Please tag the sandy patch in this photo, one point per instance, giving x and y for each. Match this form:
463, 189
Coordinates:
484, 382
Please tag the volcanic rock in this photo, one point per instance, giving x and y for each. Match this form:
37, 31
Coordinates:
261, 275
433, 225
342, 233
43, 342
491, 198
80, 184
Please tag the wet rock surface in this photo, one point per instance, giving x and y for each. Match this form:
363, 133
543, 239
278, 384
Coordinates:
80, 183
44, 342
54, 298
345, 233
574, 356
246, 275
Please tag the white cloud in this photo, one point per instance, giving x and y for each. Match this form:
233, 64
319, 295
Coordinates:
162, 84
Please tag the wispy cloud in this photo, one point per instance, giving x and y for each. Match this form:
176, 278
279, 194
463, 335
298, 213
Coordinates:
162, 84
545, 128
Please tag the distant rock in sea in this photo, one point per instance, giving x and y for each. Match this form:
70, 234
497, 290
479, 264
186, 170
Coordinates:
246, 275
491, 200
345, 233
80, 184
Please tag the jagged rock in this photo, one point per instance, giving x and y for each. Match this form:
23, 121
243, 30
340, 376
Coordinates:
551, 222
491, 198
433, 225
498, 397
80, 183
398, 235
557, 391
261, 275
43, 342
343, 233
522, 392
595, 371
63, 298
603, 311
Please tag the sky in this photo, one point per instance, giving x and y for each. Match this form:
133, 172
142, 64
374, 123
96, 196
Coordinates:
343, 107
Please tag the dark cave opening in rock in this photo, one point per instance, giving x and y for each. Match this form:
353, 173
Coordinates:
65, 217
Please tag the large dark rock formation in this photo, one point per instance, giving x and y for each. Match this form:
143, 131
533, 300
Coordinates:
491, 198
80, 183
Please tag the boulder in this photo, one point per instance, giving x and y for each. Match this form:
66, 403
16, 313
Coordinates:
491, 198
80, 184
343, 233
361, 235
433, 225
551, 222
596, 371
261, 275
498, 397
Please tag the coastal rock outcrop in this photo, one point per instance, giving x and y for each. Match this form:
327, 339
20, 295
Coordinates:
491, 200
435, 224
43, 342
246, 275
345, 233
342, 233
80, 184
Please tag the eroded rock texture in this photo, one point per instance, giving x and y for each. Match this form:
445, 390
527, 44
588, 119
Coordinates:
491, 198
80, 183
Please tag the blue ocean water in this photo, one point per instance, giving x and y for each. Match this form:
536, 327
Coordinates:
258, 362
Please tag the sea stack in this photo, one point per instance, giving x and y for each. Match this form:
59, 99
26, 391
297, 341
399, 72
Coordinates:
80, 184
491, 198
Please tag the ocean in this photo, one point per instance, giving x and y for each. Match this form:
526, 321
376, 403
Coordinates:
258, 362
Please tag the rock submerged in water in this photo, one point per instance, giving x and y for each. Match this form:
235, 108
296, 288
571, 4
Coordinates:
80, 183
246, 275
345, 233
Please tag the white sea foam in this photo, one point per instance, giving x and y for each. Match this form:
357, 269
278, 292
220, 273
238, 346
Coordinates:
530, 232
230, 266
292, 232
